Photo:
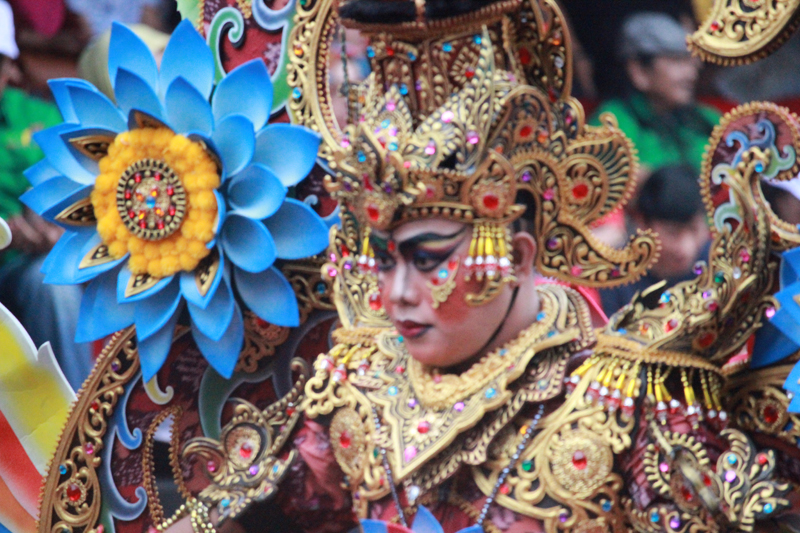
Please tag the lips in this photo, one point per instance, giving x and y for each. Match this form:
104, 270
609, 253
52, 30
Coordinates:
410, 329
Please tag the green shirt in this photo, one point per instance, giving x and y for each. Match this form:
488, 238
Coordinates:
20, 117
678, 137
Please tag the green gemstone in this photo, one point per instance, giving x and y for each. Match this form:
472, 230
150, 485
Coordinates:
375, 453
527, 465
719, 277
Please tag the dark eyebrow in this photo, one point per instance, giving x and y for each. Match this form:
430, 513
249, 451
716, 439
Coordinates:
426, 237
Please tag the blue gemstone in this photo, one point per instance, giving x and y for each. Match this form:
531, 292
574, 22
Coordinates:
404, 89
386, 123
275, 469
412, 57
503, 351
731, 459
392, 391
768, 508
759, 167
392, 146
400, 338
551, 333
443, 273
297, 93
62, 470
477, 39
226, 502
622, 331
447, 47
320, 288
361, 157
606, 505
491, 393
370, 51
540, 316
655, 516
150, 202
664, 298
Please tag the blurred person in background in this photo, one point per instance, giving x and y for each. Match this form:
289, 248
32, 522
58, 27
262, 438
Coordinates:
660, 114
670, 204
99, 14
48, 312
782, 197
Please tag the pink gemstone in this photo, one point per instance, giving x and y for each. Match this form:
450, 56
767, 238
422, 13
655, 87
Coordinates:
664, 467
89, 448
744, 255
472, 137
409, 453
447, 117
345, 142
390, 105
253, 470
577, 270
430, 149
770, 312
549, 194
332, 272
459, 406
211, 466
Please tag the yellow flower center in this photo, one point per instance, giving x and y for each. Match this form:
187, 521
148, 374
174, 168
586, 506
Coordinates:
154, 198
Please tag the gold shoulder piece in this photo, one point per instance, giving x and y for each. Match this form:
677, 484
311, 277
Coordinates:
737, 32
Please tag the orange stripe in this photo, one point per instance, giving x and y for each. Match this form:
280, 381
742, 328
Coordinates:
17, 471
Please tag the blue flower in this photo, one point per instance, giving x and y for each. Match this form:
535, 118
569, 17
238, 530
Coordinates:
255, 222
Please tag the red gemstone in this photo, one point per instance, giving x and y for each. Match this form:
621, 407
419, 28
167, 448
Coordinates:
706, 480
491, 201
423, 427
171, 210
579, 460
160, 224
95, 406
399, 369
246, 450
770, 414
157, 176
762, 459
170, 190
142, 224
137, 177
290, 410
389, 51
73, 492
687, 494
375, 301
391, 246
452, 264
714, 26
670, 325
344, 439
127, 195
504, 489
705, 340
470, 73
131, 214
525, 131
373, 213
524, 56
580, 191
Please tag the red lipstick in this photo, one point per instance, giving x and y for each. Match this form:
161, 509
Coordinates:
410, 329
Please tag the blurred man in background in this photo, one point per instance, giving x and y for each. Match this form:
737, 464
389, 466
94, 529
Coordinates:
48, 312
669, 203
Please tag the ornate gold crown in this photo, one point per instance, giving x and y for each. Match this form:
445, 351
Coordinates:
462, 114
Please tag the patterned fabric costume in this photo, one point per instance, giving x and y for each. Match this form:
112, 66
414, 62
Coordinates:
294, 403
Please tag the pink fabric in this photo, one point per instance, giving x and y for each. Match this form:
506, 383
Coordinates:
44, 16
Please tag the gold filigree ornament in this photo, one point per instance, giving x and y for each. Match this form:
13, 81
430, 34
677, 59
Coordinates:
458, 120
739, 490
738, 32
243, 464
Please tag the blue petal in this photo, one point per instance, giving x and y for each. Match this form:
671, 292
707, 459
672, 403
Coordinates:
153, 313
256, 192
133, 92
368, 525
246, 90
83, 159
59, 88
221, 215
187, 109
235, 141
63, 269
188, 55
122, 284
771, 345
51, 197
100, 314
290, 151
189, 286
223, 354
94, 110
247, 243
213, 321
52, 256
154, 350
128, 51
269, 295
40, 172
60, 156
425, 522
297, 230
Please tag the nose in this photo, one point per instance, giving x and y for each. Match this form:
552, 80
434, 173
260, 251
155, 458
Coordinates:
403, 290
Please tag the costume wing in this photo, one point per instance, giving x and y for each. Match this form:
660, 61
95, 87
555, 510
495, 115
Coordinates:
35, 398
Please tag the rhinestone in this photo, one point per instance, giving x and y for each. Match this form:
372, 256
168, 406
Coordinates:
664, 467
655, 516
447, 117
409, 453
62, 470
459, 406
253, 470
768, 508
74, 492
606, 505
392, 391
490, 393
297, 93
675, 522
730, 476
423, 427
447, 47
344, 439
579, 460
412, 403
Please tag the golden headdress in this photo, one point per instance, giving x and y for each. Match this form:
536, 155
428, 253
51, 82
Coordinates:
463, 112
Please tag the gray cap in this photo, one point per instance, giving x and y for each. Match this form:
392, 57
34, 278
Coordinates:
652, 34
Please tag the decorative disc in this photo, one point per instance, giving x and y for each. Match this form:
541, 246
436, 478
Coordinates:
151, 199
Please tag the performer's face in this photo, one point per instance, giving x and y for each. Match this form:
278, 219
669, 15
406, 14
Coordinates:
409, 259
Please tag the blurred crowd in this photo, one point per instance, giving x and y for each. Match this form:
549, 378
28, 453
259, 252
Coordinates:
630, 60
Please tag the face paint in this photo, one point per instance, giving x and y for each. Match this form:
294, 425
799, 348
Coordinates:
444, 282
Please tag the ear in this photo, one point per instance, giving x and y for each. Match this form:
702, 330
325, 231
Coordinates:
524, 251
639, 75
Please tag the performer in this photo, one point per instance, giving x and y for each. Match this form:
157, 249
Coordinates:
459, 391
